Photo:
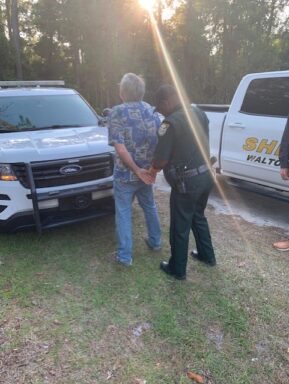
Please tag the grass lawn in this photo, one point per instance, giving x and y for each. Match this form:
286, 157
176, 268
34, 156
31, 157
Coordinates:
69, 314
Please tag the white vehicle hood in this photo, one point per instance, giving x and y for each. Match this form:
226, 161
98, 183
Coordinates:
53, 144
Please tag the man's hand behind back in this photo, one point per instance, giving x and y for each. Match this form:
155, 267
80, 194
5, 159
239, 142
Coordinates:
145, 176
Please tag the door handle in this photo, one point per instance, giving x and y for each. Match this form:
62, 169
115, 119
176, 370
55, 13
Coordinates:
237, 125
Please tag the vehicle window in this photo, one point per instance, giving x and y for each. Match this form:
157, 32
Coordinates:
22, 113
267, 97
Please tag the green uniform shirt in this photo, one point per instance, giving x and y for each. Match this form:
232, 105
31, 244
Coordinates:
179, 144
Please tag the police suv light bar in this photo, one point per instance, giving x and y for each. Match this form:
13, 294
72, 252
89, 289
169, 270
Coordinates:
34, 83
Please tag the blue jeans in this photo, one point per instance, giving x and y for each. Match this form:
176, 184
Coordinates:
124, 194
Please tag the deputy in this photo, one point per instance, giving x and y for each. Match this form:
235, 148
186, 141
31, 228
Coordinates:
183, 153
284, 173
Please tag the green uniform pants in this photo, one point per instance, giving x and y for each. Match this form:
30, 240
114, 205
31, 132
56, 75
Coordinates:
187, 212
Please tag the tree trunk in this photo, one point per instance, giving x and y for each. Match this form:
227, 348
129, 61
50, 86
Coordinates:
160, 14
271, 19
16, 38
8, 17
76, 62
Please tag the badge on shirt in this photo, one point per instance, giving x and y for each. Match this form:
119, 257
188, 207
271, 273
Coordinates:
163, 129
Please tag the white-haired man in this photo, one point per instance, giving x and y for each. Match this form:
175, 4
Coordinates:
133, 127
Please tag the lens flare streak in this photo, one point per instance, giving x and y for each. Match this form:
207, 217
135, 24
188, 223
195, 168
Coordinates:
187, 109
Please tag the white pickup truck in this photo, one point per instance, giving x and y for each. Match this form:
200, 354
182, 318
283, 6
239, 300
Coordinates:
56, 165
245, 136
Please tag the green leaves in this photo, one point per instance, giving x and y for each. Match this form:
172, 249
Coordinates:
91, 44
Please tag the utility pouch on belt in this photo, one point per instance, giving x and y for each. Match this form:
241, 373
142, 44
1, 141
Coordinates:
175, 176
178, 176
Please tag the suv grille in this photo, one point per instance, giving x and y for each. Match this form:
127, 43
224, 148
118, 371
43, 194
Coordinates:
68, 171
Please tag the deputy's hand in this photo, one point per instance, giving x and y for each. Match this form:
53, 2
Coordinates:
153, 172
145, 176
284, 172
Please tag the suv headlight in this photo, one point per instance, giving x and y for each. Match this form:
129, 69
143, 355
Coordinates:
6, 173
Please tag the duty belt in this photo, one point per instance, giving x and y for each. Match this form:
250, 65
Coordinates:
196, 171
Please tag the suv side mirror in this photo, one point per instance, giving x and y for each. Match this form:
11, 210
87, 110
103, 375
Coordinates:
106, 112
103, 120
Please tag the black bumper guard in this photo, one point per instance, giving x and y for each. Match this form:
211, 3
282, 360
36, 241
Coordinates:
37, 197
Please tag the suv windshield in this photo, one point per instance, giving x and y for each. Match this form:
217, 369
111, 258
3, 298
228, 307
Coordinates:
25, 113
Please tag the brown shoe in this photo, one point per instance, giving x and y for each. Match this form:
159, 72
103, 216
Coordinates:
281, 246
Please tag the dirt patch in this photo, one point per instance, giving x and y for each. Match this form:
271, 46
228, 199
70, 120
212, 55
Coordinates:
216, 336
19, 365
120, 344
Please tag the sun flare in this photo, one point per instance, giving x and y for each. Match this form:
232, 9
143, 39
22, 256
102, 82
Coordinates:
148, 4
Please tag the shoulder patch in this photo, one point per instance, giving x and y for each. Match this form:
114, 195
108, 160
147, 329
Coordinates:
163, 129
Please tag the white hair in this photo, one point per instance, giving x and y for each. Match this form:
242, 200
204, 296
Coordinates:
132, 87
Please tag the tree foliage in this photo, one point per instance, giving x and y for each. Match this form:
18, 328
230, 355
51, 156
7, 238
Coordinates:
92, 43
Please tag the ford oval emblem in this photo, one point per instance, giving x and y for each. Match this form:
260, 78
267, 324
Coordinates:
70, 169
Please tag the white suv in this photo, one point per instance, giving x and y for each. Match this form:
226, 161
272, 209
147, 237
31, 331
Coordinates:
55, 163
